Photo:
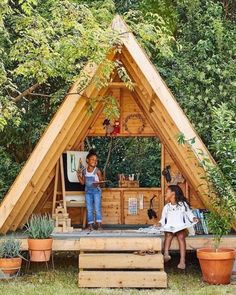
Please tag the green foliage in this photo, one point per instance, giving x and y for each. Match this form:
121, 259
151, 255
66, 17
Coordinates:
192, 43
219, 225
130, 155
223, 142
222, 197
201, 72
223, 203
39, 227
152, 32
10, 248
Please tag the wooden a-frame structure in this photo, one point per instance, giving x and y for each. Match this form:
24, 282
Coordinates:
72, 123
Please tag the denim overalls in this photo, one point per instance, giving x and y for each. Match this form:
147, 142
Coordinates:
92, 197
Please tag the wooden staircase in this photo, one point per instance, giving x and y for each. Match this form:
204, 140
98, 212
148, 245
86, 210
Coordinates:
121, 262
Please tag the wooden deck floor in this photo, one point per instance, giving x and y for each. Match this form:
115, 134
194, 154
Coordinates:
71, 241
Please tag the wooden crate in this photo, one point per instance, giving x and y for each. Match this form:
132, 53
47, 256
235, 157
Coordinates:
129, 183
110, 262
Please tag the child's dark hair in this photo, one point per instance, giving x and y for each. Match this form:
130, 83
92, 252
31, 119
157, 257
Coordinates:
179, 195
91, 153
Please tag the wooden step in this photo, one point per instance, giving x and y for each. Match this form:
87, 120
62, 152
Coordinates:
120, 261
121, 244
122, 279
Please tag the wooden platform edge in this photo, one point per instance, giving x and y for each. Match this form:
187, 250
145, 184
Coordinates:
192, 243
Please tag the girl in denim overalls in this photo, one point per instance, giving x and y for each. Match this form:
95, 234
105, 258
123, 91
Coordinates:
89, 177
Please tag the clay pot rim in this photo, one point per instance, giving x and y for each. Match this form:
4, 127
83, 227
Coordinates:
11, 258
40, 239
211, 254
220, 250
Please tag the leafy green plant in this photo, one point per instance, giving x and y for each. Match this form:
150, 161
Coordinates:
219, 225
40, 227
222, 198
10, 248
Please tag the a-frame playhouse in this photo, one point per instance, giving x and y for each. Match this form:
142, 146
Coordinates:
148, 110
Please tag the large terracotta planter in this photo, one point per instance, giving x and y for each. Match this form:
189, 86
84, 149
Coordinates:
40, 249
216, 266
10, 266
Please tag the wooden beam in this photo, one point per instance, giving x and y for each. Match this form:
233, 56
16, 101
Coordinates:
51, 158
158, 85
192, 243
119, 85
24, 183
82, 123
164, 125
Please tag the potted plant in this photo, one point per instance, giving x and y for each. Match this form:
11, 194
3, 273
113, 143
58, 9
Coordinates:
10, 258
216, 263
39, 229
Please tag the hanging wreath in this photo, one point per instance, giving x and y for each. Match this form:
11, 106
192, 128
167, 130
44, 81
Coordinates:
135, 116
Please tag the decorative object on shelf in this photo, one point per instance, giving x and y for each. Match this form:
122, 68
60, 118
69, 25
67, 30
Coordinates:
128, 183
62, 220
132, 117
116, 127
141, 202
166, 173
151, 212
108, 127
111, 129
177, 178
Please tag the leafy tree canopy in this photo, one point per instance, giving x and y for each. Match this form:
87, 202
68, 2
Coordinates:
44, 45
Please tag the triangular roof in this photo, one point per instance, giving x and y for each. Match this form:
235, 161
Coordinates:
71, 123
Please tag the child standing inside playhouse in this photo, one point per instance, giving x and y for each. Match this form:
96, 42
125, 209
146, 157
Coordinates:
176, 213
90, 177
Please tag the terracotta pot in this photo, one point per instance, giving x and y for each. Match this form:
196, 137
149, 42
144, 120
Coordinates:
40, 249
10, 266
216, 266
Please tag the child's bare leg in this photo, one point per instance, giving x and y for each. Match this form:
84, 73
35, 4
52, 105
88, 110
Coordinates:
182, 247
168, 239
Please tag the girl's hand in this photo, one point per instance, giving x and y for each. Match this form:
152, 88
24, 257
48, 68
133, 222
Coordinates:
79, 172
96, 184
195, 219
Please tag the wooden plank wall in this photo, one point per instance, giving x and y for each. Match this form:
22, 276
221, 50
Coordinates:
128, 106
115, 206
188, 191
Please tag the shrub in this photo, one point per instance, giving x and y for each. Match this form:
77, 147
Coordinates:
10, 248
40, 226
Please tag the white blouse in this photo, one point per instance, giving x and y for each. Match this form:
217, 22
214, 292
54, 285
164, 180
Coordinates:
176, 215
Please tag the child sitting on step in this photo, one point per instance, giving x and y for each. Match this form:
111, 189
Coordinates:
176, 213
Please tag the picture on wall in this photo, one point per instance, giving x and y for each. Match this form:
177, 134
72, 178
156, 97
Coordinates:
132, 206
73, 161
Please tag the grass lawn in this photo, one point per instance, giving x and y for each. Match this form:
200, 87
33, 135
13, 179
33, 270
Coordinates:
63, 281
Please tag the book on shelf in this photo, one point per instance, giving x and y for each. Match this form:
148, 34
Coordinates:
201, 226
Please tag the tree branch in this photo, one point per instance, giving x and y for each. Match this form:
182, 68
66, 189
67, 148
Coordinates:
26, 92
108, 158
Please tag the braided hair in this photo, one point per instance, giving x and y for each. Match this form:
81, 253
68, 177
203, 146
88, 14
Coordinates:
179, 195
